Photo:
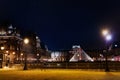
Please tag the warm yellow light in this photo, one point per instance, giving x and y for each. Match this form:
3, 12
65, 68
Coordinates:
13, 52
5, 67
2, 48
26, 40
7, 51
105, 32
5, 54
21, 54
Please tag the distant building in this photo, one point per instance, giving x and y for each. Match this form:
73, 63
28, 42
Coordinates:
74, 55
60, 56
12, 48
10, 44
114, 51
79, 54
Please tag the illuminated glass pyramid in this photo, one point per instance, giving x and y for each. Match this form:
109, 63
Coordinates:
79, 54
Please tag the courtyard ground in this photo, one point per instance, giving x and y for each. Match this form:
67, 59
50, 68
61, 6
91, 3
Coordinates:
58, 74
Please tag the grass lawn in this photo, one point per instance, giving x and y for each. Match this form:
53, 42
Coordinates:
57, 74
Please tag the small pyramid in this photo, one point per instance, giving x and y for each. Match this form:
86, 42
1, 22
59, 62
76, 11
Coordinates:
79, 54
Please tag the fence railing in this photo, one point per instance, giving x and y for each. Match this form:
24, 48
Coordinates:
70, 65
75, 65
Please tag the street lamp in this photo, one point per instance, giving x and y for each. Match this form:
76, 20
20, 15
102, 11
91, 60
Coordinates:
38, 57
2, 48
108, 37
106, 34
26, 41
21, 57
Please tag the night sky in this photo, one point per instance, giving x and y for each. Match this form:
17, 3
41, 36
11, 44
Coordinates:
62, 23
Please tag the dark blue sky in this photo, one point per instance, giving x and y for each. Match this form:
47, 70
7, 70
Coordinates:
62, 23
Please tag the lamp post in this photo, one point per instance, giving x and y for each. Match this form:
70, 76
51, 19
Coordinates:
26, 41
106, 34
1, 63
38, 55
21, 57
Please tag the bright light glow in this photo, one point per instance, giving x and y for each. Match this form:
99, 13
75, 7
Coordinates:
116, 45
9, 32
76, 46
26, 40
7, 51
92, 60
108, 37
5, 54
6, 67
13, 52
37, 54
2, 48
78, 55
105, 32
112, 59
21, 54
2, 32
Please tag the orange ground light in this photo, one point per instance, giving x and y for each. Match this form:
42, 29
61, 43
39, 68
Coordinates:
57, 74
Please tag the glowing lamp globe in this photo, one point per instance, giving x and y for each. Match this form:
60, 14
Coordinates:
108, 37
105, 32
26, 41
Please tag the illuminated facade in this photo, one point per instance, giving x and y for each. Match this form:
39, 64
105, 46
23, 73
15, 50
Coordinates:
74, 55
13, 49
10, 44
61, 56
